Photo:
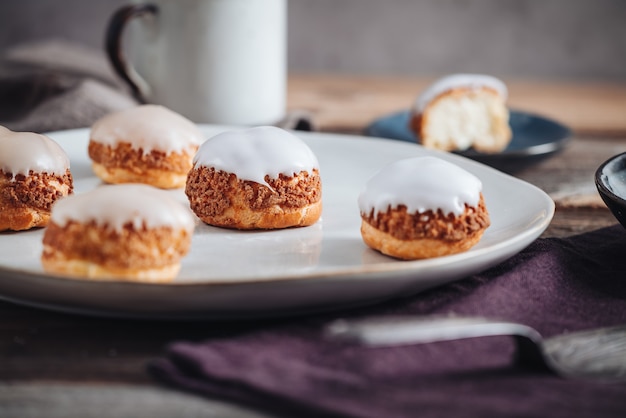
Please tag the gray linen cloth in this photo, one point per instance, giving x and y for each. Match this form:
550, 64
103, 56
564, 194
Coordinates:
55, 85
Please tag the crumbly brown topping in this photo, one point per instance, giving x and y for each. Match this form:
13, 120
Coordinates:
211, 192
35, 190
128, 248
125, 156
435, 225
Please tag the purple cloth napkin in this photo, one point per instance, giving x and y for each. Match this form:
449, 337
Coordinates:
554, 285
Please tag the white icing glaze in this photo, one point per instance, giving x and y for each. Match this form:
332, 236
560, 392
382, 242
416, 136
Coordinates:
4, 130
117, 205
473, 81
21, 152
421, 184
147, 127
253, 153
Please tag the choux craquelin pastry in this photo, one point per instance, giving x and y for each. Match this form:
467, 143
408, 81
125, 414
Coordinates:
131, 232
257, 178
422, 207
34, 173
146, 144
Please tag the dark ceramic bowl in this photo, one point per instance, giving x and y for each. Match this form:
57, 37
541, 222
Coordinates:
611, 184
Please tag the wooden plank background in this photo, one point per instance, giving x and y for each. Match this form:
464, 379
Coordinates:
349, 103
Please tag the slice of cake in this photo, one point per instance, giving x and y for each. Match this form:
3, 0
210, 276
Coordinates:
463, 111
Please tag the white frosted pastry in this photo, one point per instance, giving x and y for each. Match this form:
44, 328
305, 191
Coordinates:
146, 144
462, 111
34, 173
422, 207
258, 178
128, 232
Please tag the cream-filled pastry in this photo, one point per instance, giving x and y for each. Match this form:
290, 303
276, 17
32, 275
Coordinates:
258, 178
146, 144
422, 207
463, 111
131, 232
34, 173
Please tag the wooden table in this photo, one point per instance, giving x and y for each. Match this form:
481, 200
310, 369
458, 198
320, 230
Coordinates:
53, 364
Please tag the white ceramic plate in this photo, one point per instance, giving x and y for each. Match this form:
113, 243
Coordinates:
233, 274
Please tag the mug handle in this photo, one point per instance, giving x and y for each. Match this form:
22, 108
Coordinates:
114, 49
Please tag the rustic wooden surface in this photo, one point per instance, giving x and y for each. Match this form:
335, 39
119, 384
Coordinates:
57, 365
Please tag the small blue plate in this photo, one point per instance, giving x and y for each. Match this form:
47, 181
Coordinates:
534, 137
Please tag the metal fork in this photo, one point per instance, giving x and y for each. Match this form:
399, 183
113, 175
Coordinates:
595, 354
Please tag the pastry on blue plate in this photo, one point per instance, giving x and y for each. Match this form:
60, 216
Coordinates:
463, 111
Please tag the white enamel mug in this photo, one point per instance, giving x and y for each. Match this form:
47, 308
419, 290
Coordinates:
213, 61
